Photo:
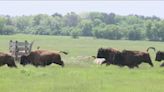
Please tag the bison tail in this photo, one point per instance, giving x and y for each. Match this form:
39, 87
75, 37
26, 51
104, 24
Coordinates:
94, 57
64, 52
151, 48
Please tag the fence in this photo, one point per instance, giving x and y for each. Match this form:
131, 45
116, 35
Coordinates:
17, 49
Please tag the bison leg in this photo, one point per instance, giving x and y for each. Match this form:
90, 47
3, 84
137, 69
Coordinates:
162, 65
137, 66
61, 63
121, 66
107, 64
104, 62
131, 67
12, 65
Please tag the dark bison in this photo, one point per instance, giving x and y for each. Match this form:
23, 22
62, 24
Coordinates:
7, 59
42, 58
108, 54
159, 57
133, 58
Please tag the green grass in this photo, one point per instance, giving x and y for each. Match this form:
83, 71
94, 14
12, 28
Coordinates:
81, 75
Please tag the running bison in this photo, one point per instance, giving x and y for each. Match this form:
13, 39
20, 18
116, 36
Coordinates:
109, 55
42, 58
7, 59
159, 57
134, 58
125, 58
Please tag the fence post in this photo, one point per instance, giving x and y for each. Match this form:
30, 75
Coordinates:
19, 48
26, 47
16, 50
10, 46
30, 47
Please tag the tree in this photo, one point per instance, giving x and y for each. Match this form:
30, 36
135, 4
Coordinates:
161, 30
152, 31
57, 15
86, 27
135, 33
23, 24
108, 18
2, 24
8, 30
75, 33
94, 15
112, 32
71, 19
55, 25
98, 31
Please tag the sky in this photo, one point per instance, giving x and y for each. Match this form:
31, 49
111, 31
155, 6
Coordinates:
18, 8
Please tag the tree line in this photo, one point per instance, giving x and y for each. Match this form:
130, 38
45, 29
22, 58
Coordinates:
94, 24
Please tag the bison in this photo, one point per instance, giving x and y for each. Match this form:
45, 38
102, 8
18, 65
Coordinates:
133, 58
108, 54
125, 58
42, 58
159, 56
7, 59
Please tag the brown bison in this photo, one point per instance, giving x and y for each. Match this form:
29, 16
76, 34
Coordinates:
42, 58
7, 59
108, 54
133, 58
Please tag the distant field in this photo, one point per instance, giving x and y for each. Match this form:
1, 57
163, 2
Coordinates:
81, 75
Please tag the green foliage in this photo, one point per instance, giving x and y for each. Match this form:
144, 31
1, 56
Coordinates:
135, 33
71, 19
95, 24
86, 28
153, 31
8, 30
75, 33
2, 24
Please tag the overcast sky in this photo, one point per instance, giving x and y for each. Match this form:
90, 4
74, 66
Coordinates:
146, 8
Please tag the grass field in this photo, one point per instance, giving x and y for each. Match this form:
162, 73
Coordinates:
81, 75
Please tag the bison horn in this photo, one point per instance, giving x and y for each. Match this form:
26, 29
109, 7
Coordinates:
151, 48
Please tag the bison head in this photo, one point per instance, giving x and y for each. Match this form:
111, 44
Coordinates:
158, 56
24, 60
101, 53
